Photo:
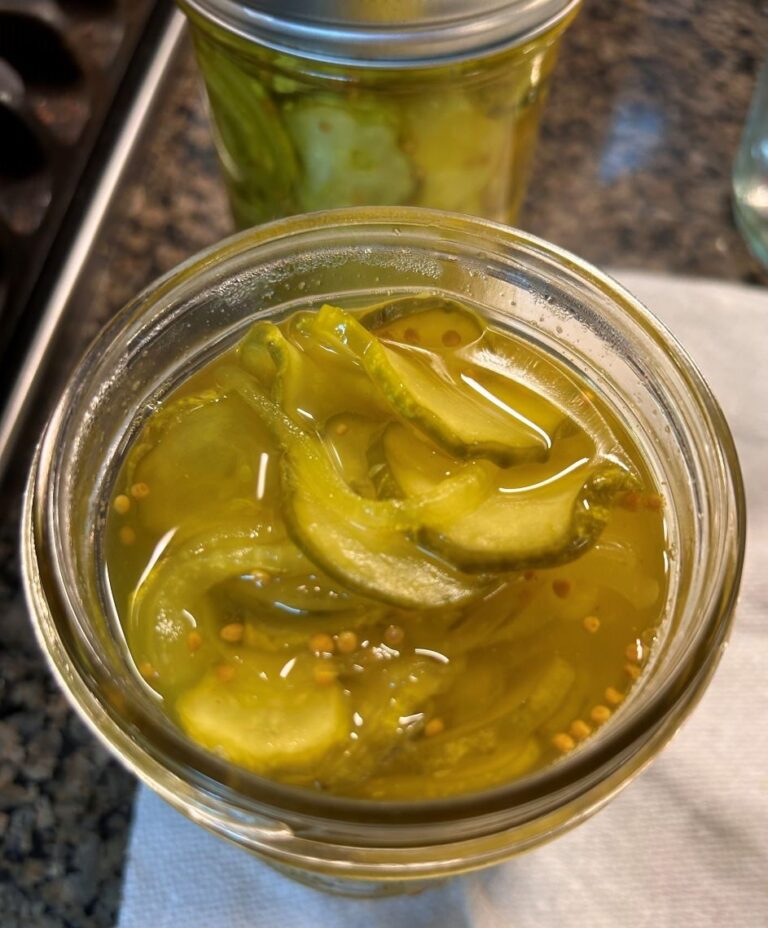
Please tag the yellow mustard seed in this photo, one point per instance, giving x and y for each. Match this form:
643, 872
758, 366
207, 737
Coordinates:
613, 696
194, 640
634, 651
451, 338
632, 671
654, 502
591, 624
563, 742
394, 635
435, 726
579, 730
121, 504
140, 491
600, 714
346, 642
232, 632
127, 535
261, 577
561, 588
322, 643
147, 670
341, 429
225, 672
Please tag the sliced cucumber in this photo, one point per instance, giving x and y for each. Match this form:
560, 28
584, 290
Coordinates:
193, 457
542, 525
530, 406
426, 320
173, 599
350, 439
364, 543
472, 757
481, 771
305, 386
390, 700
348, 151
457, 173
456, 417
264, 718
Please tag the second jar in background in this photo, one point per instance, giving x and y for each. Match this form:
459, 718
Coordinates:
413, 103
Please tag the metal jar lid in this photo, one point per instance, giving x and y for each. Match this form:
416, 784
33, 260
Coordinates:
386, 33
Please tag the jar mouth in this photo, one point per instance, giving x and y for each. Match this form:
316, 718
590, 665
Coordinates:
154, 748
402, 34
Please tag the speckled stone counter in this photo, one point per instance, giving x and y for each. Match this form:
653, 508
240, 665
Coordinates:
633, 170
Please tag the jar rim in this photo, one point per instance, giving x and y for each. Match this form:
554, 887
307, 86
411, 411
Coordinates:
435, 32
50, 605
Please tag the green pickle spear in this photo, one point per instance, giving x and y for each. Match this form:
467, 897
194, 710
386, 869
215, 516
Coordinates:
388, 552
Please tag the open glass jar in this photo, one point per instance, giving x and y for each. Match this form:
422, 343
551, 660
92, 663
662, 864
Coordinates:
522, 284
435, 104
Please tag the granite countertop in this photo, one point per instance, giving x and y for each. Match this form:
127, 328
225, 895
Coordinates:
633, 170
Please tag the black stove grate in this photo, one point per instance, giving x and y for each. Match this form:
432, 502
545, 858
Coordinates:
62, 63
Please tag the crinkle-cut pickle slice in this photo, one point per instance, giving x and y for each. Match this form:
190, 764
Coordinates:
173, 599
458, 171
348, 152
264, 721
513, 529
364, 543
455, 417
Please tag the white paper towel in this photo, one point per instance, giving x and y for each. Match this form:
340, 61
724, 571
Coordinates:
685, 845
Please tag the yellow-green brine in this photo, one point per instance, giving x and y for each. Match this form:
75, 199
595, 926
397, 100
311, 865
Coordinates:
390, 552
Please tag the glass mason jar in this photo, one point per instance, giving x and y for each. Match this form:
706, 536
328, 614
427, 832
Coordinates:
523, 285
750, 173
418, 102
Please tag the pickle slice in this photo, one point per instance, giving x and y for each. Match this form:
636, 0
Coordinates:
458, 419
364, 543
389, 700
429, 321
194, 457
536, 528
457, 173
515, 528
270, 715
470, 757
258, 156
307, 388
172, 600
350, 439
348, 151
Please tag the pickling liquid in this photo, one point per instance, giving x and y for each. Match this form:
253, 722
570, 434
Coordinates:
393, 554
